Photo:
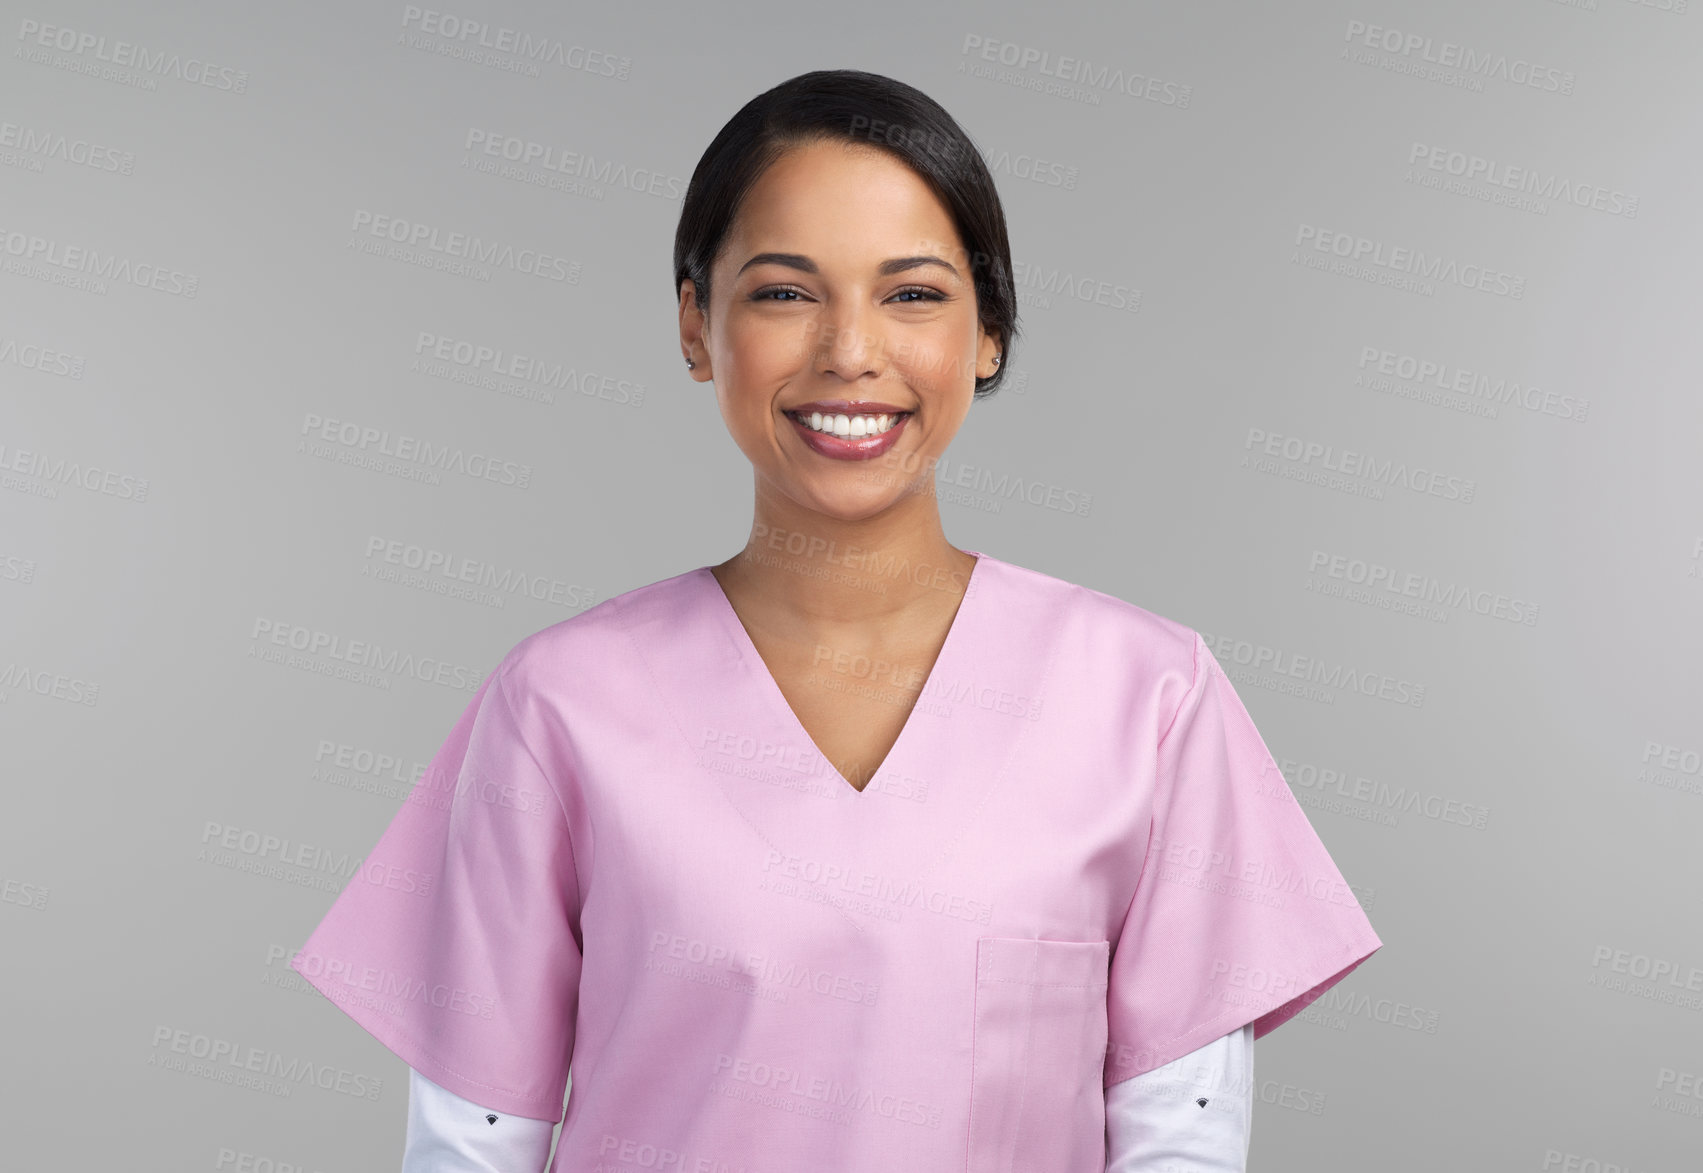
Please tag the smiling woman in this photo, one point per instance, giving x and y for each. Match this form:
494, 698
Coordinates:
857, 347
860, 851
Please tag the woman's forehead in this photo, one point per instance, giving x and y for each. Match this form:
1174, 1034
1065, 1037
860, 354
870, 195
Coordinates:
824, 201
828, 188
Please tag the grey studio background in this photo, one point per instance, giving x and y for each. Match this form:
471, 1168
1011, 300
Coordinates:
1360, 336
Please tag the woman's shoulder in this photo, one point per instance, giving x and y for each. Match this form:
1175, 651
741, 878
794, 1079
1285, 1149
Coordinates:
1098, 622
591, 645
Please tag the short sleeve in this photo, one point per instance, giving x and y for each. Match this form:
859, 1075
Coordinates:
456, 942
1239, 914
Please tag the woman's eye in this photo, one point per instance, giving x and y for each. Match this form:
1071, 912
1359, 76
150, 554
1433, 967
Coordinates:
910, 295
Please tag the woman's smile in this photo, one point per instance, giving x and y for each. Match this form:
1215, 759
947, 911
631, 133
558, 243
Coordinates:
848, 436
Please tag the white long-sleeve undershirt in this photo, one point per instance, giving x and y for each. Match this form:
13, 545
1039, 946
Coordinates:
447, 1134
1156, 1122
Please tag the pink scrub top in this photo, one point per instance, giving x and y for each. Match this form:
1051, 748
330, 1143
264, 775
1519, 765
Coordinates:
1078, 862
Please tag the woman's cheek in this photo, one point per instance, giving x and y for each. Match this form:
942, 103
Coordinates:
931, 365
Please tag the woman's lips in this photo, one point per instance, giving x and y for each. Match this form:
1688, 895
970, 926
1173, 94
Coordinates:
847, 407
849, 447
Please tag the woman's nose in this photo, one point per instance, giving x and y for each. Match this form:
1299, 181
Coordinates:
847, 344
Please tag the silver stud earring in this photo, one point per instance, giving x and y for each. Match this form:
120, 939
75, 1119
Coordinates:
996, 360
690, 364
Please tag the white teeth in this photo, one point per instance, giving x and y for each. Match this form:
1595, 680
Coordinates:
850, 426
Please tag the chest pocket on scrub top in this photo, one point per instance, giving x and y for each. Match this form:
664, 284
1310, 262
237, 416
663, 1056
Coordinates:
1037, 1097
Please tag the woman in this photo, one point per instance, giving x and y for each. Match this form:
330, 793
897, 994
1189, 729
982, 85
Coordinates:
856, 851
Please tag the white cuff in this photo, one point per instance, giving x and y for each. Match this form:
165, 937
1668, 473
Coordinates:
447, 1134
1193, 1115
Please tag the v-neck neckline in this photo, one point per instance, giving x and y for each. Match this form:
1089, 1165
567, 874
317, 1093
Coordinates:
734, 628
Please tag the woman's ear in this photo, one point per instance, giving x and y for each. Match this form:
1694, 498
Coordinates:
693, 322
988, 346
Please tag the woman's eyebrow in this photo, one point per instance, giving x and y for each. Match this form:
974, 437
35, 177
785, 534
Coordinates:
805, 264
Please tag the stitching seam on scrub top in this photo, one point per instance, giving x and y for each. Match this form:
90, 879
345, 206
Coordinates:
1152, 824
555, 791
975, 1028
573, 906
1147, 862
1194, 682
